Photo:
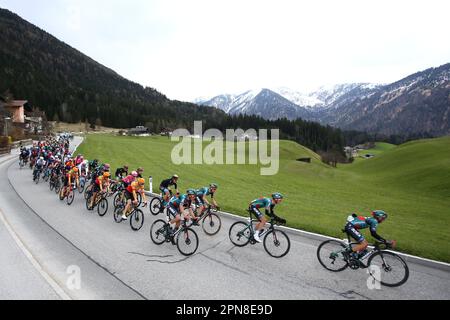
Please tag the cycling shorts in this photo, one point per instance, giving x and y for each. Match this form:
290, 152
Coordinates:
354, 233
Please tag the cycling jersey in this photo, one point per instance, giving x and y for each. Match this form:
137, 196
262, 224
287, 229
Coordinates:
355, 223
128, 180
265, 203
134, 186
71, 175
121, 172
167, 183
205, 192
177, 201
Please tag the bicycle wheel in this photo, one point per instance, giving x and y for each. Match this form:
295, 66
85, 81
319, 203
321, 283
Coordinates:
62, 196
211, 224
81, 186
70, 197
118, 214
139, 199
330, 255
390, 269
88, 203
57, 186
277, 243
137, 220
118, 200
87, 191
240, 234
187, 242
158, 232
38, 177
155, 206
102, 207
52, 185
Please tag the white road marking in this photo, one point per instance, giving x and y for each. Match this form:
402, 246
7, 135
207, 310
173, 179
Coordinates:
55, 286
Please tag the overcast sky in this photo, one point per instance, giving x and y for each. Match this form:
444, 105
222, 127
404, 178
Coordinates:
191, 48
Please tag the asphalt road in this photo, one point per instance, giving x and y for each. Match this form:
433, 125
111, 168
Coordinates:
116, 263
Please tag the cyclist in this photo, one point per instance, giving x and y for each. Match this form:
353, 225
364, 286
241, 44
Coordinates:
201, 198
164, 187
268, 204
101, 185
140, 172
131, 195
39, 166
71, 176
24, 154
178, 205
121, 173
355, 223
93, 165
130, 179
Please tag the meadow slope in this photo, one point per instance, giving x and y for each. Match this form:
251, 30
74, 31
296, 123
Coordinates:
411, 182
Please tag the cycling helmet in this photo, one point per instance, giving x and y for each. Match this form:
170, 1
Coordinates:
175, 176
107, 166
134, 174
141, 181
106, 175
380, 215
191, 192
214, 185
277, 196
125, 167
41, 158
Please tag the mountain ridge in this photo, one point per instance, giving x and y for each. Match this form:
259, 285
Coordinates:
416, 104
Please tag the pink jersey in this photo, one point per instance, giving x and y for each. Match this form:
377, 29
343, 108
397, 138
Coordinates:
129, 179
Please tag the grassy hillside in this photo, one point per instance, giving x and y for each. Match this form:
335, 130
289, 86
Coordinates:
411, 182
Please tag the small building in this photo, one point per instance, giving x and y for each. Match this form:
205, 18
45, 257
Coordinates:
17, 110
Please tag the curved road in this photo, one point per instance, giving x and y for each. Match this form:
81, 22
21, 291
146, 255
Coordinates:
46, 245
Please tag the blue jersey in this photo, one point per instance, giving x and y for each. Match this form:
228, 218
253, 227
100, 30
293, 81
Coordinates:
176, 201
262, 203
204, 192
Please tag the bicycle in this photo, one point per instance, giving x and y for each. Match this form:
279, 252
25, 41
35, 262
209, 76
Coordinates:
136, 216
119, 198
37, 175
46, 176
22, 163
82, 184
156, 205
160, 232
68, 194
241, 234
211, 222
100, 202
335, 256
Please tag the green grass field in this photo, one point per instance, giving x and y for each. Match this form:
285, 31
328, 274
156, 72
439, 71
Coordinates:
411, 182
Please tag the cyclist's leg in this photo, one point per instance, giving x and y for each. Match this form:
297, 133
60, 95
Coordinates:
357, 236
129, 198
166, 195
176, 217
260, 217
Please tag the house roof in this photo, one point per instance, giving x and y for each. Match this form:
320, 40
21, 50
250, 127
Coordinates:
16, 103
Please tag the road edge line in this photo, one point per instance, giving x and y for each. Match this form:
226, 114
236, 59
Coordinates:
53, 284
315, 236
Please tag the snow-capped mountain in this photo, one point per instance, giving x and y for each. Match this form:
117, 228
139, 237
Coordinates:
416, 104
262, 102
